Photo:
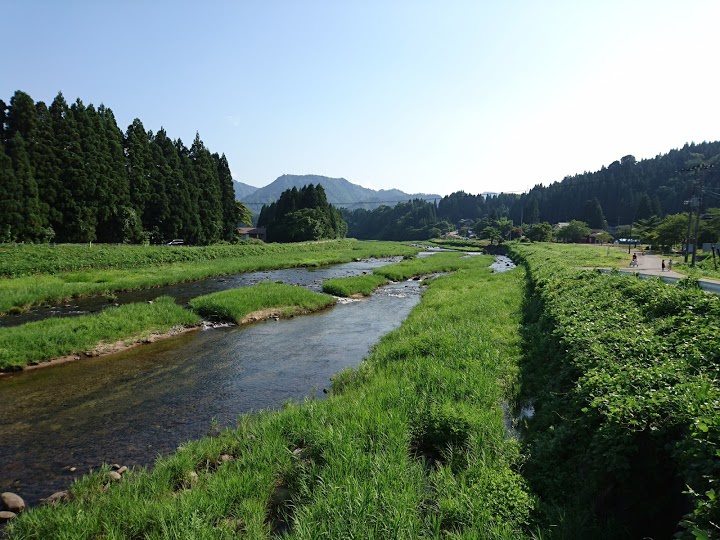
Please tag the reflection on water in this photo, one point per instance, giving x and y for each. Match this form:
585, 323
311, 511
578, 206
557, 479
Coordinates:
129, 407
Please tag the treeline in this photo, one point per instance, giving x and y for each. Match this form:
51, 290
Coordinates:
69, 174
626, 192
300, 215
413, 220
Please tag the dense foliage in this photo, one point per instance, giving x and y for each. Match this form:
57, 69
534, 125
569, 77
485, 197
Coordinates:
300, 215
621, 193
413, 220
623, 375
69, 174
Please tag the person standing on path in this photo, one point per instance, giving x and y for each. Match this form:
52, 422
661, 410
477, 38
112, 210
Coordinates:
670, 265
663, 265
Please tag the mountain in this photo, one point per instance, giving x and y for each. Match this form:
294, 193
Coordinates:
339, 192
242, 190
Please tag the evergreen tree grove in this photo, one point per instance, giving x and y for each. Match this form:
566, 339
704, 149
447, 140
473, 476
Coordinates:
69, 173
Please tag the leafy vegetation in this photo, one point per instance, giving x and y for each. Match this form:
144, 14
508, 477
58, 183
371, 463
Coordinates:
56, 337
144, 268
70, 175
411, 444
260, 302
301, 215
623, 375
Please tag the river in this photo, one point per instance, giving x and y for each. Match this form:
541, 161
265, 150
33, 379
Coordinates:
59, 422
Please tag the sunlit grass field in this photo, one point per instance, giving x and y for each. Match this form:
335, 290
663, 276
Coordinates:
20, 293
411, 444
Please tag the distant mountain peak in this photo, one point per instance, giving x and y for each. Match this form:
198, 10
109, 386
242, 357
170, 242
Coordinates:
339, 191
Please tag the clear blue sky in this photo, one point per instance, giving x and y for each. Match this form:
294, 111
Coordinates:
421, 96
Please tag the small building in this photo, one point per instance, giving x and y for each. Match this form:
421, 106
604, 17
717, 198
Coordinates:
252, 232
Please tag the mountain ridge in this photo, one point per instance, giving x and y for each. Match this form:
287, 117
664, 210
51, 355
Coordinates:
340, 192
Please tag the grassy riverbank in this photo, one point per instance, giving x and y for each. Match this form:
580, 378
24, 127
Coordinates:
411, 444
100, 276
260, 301
439, 263
624, 377
57, 337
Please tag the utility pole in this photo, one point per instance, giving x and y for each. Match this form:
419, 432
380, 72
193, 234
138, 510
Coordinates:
695, 202
697, 222
689, 204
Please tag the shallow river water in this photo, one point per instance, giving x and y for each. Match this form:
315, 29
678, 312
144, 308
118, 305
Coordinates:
129, 407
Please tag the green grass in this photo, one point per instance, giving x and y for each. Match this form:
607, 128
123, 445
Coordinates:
409, 445
349, 286
20, 293
459, 244
435, 264
17, 260
56, 337
279, 299
579, 255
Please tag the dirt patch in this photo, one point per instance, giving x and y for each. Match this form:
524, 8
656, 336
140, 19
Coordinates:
261, 315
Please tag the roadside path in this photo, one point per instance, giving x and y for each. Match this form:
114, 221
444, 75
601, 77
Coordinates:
651, 265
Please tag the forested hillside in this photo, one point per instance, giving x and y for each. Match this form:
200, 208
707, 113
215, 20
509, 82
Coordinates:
69, 174
625, 192
300, 215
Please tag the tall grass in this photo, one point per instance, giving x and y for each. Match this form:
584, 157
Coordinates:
17, 260
56, 337
22, 292
274, 298
409, 445
354, 285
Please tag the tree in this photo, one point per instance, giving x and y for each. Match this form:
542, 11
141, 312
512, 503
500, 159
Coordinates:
11, 201
230, 214
491, 233
540, 232
46, 167
139, 165
575, 231
31, 225
645, 208
593, 214
672, 230
208, 186
300, 215
75, 202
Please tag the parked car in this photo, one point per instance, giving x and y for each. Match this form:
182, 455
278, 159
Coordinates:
176, 242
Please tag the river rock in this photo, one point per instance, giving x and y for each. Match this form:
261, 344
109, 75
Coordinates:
114, 476
122, 470
7, 516
193, 477
115, 466
225, 457
12, 502
58, 496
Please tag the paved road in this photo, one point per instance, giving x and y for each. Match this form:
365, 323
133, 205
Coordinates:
651, 265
